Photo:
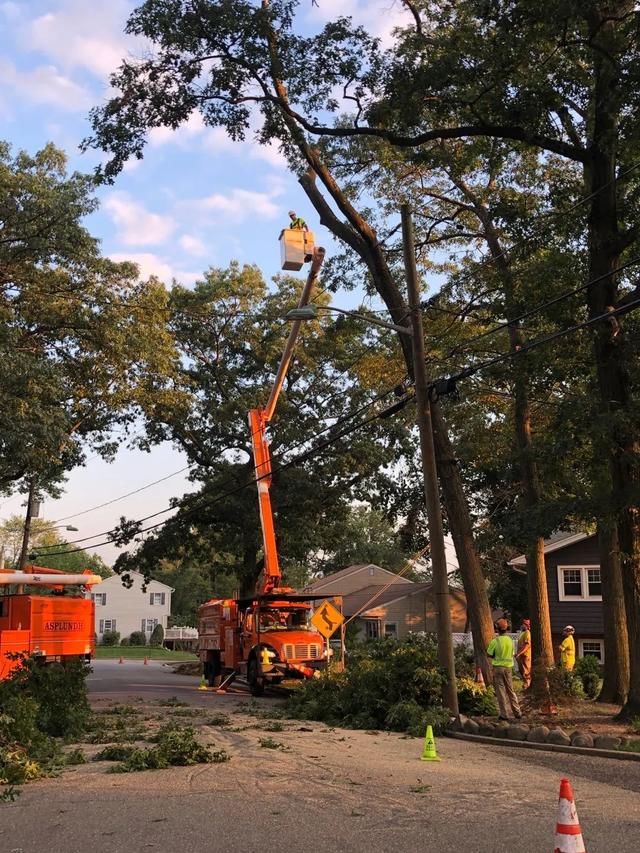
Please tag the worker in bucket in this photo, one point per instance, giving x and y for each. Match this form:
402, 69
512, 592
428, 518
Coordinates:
297, 222
568, 649
523, 653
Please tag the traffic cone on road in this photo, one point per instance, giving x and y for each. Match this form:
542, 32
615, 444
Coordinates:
568, 831
429, 750
203, 683
479, 676
121, 659
146, 661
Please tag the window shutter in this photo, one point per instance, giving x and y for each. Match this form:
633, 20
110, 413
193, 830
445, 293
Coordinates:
101, 627
151, 598
144, 625
113, 624
162, 598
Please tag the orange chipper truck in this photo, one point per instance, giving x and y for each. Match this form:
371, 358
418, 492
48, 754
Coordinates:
53, 627
267, 637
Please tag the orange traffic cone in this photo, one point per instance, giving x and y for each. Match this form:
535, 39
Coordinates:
146, 660
121, 659
479, 676
568, 832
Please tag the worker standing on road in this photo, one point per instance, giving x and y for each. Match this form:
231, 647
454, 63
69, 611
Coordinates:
523, 653
297, 222
500, 650
568, 649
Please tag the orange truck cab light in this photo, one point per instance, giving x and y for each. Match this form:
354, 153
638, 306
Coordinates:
54, 627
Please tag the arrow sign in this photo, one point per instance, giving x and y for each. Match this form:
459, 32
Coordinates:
327, 619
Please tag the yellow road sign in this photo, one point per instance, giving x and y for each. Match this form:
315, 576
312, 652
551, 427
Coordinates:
327, 619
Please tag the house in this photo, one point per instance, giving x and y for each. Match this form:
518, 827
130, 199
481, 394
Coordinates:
382, 604
574, 587
135, 609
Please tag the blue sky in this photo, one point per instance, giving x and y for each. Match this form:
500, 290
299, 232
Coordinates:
197, 199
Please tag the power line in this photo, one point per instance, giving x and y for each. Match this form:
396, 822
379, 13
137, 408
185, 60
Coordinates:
470, 371
249, 483
229, 481
127, 495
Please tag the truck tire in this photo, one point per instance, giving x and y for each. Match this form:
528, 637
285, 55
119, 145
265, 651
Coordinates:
212, 669
256, 684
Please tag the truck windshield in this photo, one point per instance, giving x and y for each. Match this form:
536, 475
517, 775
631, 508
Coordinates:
285, 620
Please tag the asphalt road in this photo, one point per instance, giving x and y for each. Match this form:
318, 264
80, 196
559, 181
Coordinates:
324, 790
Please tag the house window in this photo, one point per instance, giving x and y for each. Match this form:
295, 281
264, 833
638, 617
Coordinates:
100, 598
372, 571
390, 629
148, 625
372, 629
106, 625
157, 598
579, 583
591, 648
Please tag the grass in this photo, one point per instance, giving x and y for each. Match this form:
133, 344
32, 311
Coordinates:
140, 652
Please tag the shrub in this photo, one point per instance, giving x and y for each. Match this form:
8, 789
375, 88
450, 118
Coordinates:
387, 685
110, 638
157, 636
138, 638
588, 671
473, 698
125, 641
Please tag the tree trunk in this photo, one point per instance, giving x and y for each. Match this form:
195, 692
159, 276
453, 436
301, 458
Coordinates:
26, 534
537, 590
475, 588
616, 645
605, 246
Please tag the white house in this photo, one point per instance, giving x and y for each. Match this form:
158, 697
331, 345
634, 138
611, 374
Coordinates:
128, 610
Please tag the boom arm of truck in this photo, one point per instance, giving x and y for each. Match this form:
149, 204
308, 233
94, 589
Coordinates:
258, 422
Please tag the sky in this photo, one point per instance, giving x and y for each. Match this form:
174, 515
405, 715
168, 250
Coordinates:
196, 200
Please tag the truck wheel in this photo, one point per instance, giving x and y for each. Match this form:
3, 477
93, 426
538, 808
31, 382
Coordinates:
256, 684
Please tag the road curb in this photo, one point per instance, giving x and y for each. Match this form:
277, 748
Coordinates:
620, 755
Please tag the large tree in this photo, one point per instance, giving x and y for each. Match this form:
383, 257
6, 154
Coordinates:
561, 78
230, 331
223, 57
83, 343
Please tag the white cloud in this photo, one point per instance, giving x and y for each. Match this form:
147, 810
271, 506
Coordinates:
154, 265
270, 154
192, 245
181, 136
45, 84
137, 226
82, 35
240, 205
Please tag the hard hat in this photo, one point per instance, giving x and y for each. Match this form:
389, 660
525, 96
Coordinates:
569, 628
292, 213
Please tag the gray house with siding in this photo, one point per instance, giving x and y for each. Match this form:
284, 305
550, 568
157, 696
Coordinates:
574, 587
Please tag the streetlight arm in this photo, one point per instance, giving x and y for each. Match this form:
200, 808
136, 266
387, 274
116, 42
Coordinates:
404, 330
309, 312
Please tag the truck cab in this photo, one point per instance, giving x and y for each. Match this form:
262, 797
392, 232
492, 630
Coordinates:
266, 639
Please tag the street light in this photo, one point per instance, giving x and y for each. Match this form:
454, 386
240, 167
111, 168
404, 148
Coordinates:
429, 468
310, 312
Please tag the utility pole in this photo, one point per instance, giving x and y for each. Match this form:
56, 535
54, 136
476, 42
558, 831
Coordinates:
429, 470
26, 535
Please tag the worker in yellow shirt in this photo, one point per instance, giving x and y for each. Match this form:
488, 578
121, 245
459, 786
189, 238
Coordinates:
297, 222
568, 649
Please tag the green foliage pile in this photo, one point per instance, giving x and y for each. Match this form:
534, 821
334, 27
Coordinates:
474, 699
40, 706
389, 684
175, 746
